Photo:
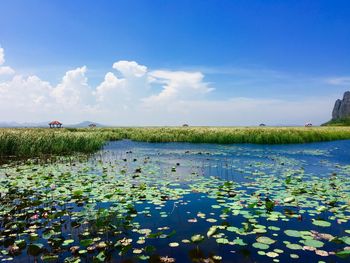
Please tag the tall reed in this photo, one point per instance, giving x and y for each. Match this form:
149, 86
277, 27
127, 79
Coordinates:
35, 142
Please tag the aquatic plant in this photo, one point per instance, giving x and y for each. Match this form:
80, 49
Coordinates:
36, 142
131, 205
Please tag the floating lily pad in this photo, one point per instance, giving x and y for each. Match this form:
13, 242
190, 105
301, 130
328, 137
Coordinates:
313, 243
272, 254
265, 240
260, 245
343, 253
222, 241
289, 199
294, 246
197, 238
35, 249
211, 231
174, 244
292, 233
321, 223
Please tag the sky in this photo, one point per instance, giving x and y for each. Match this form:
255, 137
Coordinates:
162, 62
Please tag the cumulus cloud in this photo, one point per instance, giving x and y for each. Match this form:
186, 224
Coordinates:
124, 91
2, 56
177, 85
131, 94
130, 68
4, 70
74, 89
111, 90
24, 97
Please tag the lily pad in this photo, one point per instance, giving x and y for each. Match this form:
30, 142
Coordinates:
321, 223
294, 246
313, 243
173, 244
260, 245
197, 238
292, 233
289, 199
35, 249
265, 240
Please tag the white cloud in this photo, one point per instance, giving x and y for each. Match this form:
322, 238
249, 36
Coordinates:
2, 56
177, 85
4, 70
74, 90
130, 68
111, 90
125, 91
24, 97
135, 95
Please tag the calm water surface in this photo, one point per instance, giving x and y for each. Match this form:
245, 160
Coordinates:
227, 186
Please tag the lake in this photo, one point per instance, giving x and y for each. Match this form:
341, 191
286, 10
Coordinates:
180, 202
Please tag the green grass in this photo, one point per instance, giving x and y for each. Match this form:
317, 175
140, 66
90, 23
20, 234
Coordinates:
36, 142
339, 122
222, 135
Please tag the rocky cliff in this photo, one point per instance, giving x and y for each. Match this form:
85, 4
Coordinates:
341, 108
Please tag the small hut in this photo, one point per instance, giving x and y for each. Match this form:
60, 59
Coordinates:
55, 124
92, 125
308, 124
185, 125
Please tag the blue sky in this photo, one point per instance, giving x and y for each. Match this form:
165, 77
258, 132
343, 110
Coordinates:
263, 51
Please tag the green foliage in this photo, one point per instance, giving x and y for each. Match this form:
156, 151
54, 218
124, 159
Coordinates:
37, 142
228, 135
338, 122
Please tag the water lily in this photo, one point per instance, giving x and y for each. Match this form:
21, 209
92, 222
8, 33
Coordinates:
35, 217
167, 259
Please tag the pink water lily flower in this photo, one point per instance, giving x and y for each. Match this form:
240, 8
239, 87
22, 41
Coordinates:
35, 217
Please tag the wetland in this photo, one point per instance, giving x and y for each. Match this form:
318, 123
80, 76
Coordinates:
179, 202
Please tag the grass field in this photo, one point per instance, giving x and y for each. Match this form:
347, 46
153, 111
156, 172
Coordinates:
36, 141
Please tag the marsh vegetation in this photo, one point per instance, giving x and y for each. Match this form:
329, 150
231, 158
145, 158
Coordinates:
102, 207
36, 142
179, 202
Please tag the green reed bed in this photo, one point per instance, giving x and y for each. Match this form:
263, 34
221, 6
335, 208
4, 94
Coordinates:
35, 142
223, 135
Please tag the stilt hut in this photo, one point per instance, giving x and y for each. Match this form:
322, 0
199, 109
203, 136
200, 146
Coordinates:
55, 124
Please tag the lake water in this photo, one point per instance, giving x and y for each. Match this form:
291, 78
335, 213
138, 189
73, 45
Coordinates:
181, 202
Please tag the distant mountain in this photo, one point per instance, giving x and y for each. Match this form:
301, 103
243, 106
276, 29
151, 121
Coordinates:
341, 108
84, 124
341, 112
13, 124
